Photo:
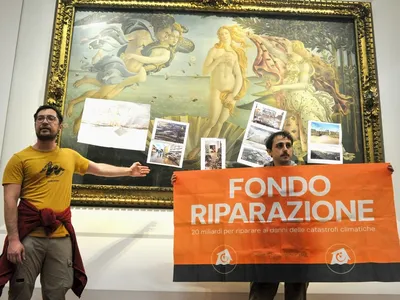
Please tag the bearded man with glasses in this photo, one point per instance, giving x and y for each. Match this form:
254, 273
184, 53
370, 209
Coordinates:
40, 237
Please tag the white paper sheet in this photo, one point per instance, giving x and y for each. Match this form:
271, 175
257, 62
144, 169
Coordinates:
114, 124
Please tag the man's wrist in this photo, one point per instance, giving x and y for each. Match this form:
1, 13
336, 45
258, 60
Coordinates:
13, 238
127, 171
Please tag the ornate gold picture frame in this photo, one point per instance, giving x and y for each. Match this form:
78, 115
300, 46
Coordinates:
314, 59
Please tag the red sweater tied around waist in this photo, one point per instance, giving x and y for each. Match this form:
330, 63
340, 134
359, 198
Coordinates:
29, 218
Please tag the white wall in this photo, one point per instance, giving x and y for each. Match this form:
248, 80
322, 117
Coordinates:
10, 15
130, 250
386, 24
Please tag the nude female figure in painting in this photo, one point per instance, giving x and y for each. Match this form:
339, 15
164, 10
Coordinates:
226, 63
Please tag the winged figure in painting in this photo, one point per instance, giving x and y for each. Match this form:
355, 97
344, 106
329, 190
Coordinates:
130, 47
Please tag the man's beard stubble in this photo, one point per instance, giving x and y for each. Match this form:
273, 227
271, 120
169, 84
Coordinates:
47, 137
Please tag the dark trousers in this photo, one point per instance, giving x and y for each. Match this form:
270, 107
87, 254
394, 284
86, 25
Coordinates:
268, 290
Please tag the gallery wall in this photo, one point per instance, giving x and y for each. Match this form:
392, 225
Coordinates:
129, 251
9, 26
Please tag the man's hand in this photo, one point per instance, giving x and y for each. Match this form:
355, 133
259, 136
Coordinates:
173, 179
15, 251
137, 170
390, 168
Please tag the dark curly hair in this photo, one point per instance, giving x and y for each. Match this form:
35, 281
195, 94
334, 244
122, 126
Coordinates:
271, 138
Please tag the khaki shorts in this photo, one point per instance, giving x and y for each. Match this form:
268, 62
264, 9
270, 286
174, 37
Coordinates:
52, 259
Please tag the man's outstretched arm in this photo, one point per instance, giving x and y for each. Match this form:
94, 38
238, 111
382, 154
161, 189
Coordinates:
100, 169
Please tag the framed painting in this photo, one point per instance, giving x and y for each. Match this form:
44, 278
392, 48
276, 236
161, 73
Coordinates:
206, 63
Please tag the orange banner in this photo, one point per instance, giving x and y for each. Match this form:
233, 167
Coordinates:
321, 222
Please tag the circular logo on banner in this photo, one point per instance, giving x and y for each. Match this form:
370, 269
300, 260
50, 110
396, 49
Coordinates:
224, 259
340, 259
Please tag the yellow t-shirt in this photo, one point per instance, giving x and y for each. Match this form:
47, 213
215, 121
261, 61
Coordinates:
46, 179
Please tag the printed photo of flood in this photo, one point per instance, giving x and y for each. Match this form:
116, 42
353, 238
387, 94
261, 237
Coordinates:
268, 116
325, 155
213, 152
257, 137
165, 153
253, 157
170, 131
325, 133
167, 146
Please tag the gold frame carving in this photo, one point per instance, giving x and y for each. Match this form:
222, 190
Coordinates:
127, 196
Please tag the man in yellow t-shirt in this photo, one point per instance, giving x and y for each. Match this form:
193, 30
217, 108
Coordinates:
41, 176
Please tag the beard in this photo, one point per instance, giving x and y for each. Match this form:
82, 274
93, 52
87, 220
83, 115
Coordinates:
46, 137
